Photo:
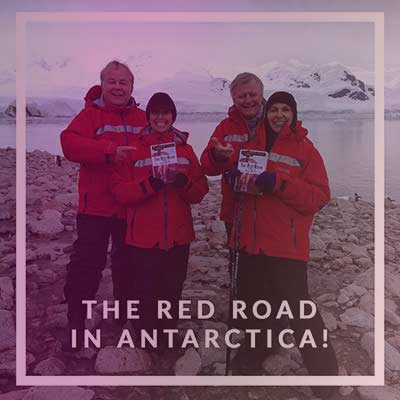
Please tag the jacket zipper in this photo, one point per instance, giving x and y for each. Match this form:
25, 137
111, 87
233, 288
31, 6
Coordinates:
293, 228
165, 218
255, 223
85, 200
133, 224
126, 131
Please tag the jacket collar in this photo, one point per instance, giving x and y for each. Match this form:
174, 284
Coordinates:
149, 136
237, 116
298, 132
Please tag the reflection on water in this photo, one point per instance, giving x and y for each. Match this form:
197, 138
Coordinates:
347, 148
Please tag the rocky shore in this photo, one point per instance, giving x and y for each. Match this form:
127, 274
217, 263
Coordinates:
341, 281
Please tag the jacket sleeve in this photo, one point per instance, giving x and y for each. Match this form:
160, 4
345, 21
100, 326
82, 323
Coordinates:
309, 192
79, 143
210, 166
197, 185
126, 190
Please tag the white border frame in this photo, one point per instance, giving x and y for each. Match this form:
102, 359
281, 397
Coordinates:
22, 18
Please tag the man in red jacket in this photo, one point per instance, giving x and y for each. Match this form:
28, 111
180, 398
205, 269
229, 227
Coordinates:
97, 137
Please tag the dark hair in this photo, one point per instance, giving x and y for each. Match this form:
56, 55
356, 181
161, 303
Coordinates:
159, 102
285, 98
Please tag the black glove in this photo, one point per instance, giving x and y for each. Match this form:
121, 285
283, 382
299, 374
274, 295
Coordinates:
180, 180
266, 181
156, 183
231, 175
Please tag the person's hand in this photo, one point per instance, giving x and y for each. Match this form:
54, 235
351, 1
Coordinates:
266, 181
220, 152
180, 180
230, 176
156, 183
121, 153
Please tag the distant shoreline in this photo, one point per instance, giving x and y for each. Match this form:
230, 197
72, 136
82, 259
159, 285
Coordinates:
218, 116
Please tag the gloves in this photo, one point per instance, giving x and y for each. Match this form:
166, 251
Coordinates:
180, 180
230, 176
155, 183
266, 181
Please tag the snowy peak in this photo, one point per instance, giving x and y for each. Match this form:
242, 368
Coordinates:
334, 80
52, 66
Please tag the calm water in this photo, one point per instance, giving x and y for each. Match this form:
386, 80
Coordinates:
347, 148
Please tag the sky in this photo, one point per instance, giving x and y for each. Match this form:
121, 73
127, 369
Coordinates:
156, 51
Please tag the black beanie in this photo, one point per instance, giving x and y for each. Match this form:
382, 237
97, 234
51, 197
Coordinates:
161, 101
285, 98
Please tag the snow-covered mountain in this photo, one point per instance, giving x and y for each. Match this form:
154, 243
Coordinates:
192, 90
329, 87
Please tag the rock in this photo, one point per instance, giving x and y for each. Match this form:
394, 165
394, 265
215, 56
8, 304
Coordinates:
377, 393
219, 369
329, 321
68, 199
354, 290
316, 243
200, 246
326, 297
7, 362
218, 227
344, 205
7, 330
111, 360
366, 279
367, 303
205, 263
277, 364
346, 390
51, 366
356, 317
48, 224
15, 395
6, 293
189, 363
364, 263
211, 355
392, 284
355, 251
392, 317
45, 276
59, 393
392, 355
342, 299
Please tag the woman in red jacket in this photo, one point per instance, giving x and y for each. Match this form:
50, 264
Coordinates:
158, 182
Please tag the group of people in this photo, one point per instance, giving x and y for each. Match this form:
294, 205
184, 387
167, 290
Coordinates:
149, 217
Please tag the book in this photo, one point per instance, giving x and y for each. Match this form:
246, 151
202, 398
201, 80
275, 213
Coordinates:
164, 161
251, 163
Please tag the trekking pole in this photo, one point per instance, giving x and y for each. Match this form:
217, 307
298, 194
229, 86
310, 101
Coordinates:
233, 268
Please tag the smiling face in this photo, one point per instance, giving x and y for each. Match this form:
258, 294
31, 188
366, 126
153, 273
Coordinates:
117, 86
247, 97
279, 115
161, 120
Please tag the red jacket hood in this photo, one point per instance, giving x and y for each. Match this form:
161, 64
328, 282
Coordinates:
94, 98
150, 137
298, 132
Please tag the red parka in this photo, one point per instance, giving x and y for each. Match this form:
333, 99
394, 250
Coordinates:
231, 130
91, 139
160, 219
278, 224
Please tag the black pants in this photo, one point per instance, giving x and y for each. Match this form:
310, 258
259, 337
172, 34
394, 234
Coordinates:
159, 275
277, 279
88, 260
